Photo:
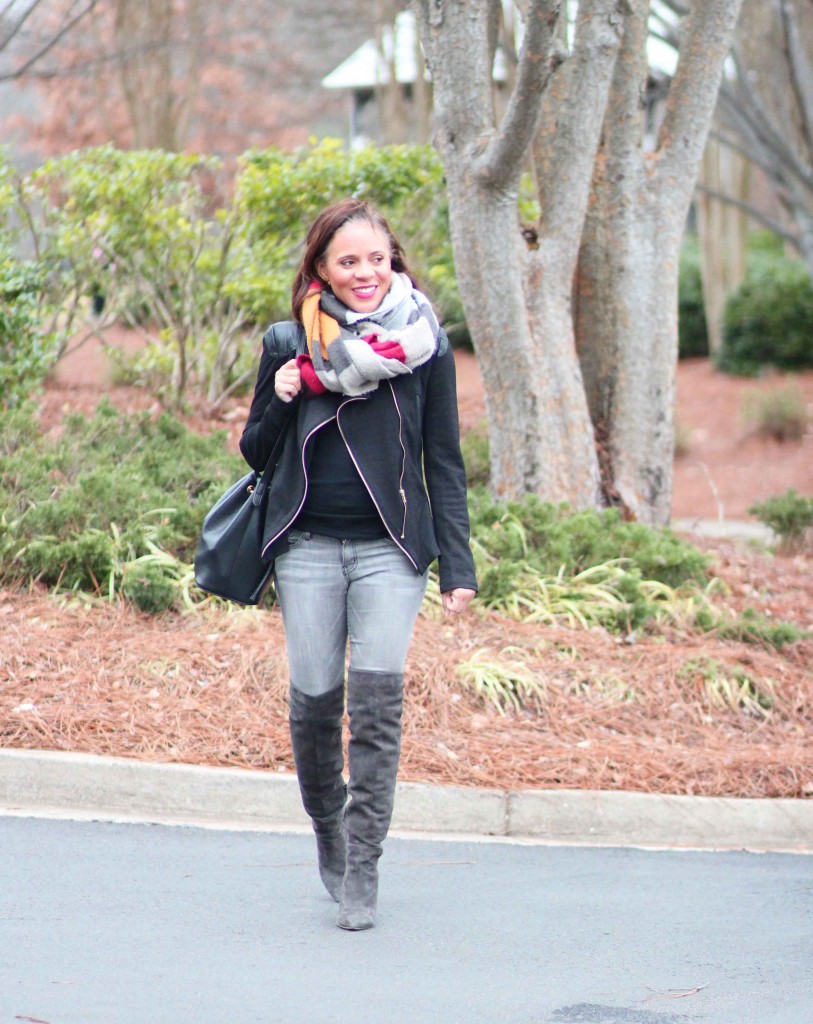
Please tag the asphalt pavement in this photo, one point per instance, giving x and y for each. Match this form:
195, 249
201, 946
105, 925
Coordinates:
125, 923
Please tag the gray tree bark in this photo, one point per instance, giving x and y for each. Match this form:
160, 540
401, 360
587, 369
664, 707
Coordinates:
516, 287
628, 281
626, 319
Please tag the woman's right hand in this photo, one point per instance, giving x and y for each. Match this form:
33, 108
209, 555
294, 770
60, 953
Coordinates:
288, 381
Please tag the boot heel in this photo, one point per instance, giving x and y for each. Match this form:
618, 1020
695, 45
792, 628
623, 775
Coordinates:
359, 897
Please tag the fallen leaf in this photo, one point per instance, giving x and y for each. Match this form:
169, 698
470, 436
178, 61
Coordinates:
674, 993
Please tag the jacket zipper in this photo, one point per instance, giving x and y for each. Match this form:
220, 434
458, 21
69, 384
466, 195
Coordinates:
305, 474
401, 490
369, 489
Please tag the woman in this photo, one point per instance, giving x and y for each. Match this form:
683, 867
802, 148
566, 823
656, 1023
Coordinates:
370, 489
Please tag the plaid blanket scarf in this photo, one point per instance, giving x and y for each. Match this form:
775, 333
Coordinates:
351, 353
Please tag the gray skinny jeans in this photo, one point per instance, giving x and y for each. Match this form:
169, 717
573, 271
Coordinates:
332, 590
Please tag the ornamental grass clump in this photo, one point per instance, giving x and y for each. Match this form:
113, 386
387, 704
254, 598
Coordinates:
780, 414
502, 680
723, 686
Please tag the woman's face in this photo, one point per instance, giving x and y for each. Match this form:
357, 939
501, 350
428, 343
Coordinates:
357, 266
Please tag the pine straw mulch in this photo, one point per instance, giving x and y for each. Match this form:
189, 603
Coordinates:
209, 688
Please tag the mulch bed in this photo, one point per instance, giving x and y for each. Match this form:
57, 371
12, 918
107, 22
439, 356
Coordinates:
209, 687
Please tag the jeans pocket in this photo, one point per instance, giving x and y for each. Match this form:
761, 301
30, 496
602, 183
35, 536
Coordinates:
296, 537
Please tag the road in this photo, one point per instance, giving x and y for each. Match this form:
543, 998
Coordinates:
150, 924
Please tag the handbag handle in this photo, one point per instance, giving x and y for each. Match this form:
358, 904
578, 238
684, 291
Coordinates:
270, 466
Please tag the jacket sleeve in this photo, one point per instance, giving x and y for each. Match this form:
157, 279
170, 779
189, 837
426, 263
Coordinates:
268, 415
446, 475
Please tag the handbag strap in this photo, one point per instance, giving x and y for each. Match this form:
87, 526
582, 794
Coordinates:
271, 465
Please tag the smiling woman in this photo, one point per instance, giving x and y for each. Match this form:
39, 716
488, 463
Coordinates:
369, 490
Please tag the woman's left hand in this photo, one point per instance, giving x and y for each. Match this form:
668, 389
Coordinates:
457, 601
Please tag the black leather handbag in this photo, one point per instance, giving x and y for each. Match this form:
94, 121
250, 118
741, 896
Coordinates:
229, 562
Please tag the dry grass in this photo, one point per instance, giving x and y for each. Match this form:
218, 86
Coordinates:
209, 688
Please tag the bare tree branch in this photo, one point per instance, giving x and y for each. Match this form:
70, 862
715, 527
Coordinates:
749, 109
536, 63
68, 24
705, 42
801, 72
15, 27
572, 116
753, 151
753, 211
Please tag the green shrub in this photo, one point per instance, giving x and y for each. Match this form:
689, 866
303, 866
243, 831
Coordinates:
149, 587
139, 229
77, 509
568, 560
475, 448
781, 414
693, 336
768, 321
789, 515
753, 628
551, 537
26, 351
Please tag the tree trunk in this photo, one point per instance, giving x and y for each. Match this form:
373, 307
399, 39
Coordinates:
723, 232
628, 272
626, 323
520, 318
143, 34
517, 288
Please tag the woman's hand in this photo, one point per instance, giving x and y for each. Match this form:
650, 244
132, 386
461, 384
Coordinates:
457, 601
288, 381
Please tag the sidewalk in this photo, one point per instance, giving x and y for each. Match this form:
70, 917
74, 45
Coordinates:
744, 530
48, 783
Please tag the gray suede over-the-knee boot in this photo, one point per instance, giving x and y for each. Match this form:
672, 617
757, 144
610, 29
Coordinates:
316, 740
374, 702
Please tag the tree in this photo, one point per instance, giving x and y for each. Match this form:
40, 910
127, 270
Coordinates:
562, 388
764, 119
189, 74
21, 23
766, 112
628, 267
170, 74
517, 294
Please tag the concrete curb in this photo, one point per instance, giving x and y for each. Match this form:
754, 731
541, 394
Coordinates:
744, 530
82, 785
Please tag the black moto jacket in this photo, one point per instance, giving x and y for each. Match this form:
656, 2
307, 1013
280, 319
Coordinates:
404, 432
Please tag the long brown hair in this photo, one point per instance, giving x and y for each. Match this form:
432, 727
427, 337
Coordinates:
320, 235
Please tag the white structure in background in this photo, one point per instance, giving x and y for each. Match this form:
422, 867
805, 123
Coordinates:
372, 69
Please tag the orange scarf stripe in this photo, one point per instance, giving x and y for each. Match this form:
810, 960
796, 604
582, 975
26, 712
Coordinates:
320, 328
